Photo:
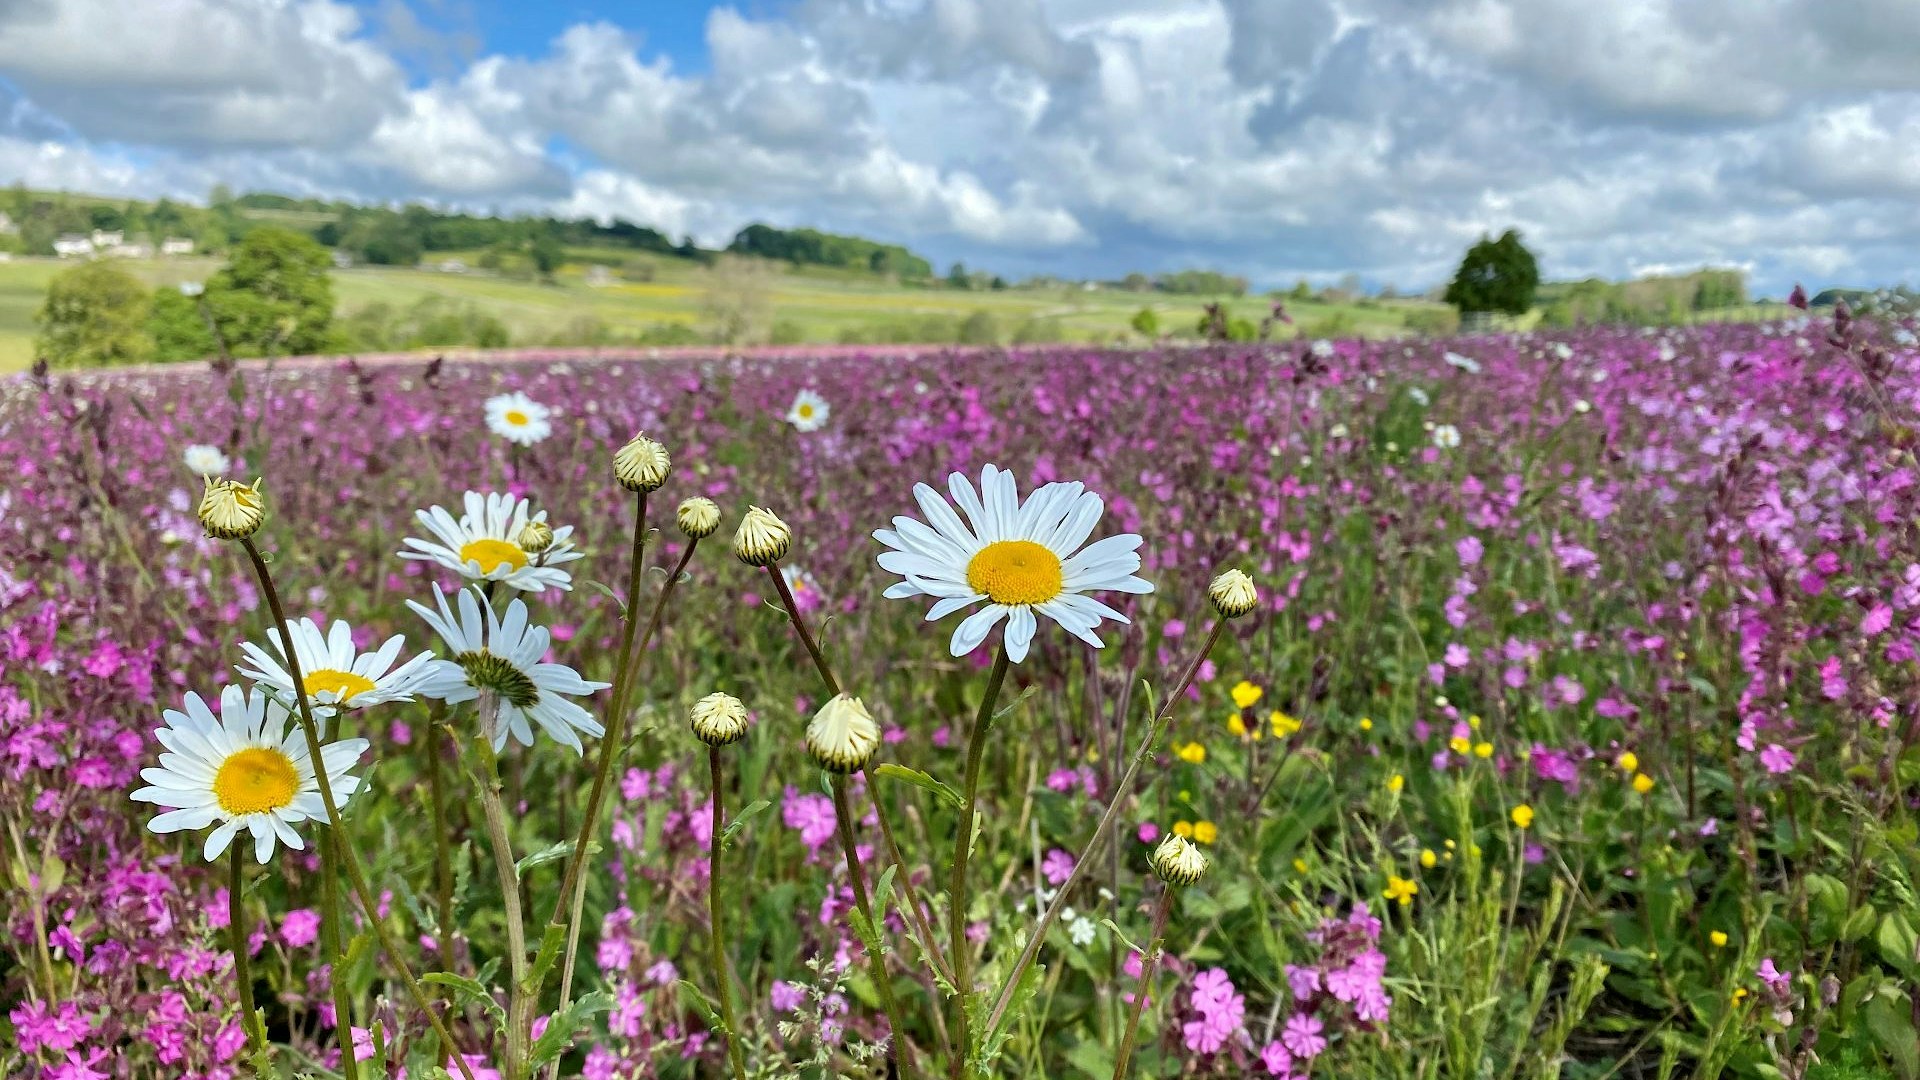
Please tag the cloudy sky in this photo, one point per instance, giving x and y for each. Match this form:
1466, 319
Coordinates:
1274, 138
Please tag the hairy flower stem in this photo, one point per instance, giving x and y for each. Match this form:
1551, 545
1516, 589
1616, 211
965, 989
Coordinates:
442, 842
338, 830
1145, 991
876, 956
573, 889
333, 943
957, 948
717, 928
844, 820
239, 931
519, 995
1100, 831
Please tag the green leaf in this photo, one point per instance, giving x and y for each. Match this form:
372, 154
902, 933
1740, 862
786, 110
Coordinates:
550, 942
1124, 939
1892, 1028
1704, 688
883, 894
603, 587
468, 990
740, 820
1092, 1059
1019, 700
921, 780
560, 1029
551, 853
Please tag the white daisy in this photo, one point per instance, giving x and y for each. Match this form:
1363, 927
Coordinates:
1446, 436
518, 418
204, 460
502, 656
809, 411
246, 769
483, 545
1020, 558
333, 672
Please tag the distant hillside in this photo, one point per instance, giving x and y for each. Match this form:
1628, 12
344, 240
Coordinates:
35, 222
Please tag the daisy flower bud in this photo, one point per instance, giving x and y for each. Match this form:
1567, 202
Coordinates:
698, 517
1233, 594
534, 537
642, 464
232, 510
1177, 862
719, 719
762, 538
842, 735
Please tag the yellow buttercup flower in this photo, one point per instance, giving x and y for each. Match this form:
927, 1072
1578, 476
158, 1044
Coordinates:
1183, 829
1366, 724
1522, 815
1299, 866
1401, 889
1206, 832
1428, 858
1246, 695
1192, 753
1236, 726
1719, 939
1282, 724
1483, 750
1642, 783
1396, 782
1459, 744
1473, 722
1628, 761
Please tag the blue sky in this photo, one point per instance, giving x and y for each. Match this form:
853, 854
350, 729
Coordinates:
1277, 139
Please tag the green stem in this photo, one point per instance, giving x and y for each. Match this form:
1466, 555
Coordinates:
1100, 832
333, 944
352, 864
800, 627
519, 1007
442, 841
717, 934
876, 958
240, 931
1141, 995
957, 948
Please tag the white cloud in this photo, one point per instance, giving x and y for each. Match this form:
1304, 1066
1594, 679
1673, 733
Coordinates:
1271, 137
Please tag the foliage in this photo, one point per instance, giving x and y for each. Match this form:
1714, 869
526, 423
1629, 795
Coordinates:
429, 322
274, 295
95, 314
1495, 276
816, 248
179, 328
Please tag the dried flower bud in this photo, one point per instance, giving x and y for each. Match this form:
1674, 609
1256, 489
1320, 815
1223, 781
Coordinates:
719, 719
698, 517
1233, 594
762, 538
1177, 862
232, 510
642, 464
842, 735
535, 537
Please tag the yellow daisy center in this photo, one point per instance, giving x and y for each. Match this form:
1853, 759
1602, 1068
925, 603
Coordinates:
254, 781
492, 554
1015, 572
805, 410
517, 418
344, 684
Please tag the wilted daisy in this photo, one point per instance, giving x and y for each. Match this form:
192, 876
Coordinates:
484, 543
1020, 558
332, 671
206, 460
518, 418
502, 655
808, 412
1446, 436
245, 769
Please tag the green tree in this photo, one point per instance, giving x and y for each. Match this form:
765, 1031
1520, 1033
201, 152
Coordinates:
1146, 323
547, 254
957, 277
1496, 275
274, 295
94, 314
179, 327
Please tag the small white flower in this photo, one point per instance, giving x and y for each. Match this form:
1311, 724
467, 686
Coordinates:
1465, 363
1562, 350
1419, 396
1322, 348
1021, 558
244, 769
204, 460
332, 671
1446, 436
503, 657
1337, 431
518, 418
1582, 405
809, 411
484, 544
1080, 931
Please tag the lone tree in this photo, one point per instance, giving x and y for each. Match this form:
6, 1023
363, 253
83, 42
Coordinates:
274, 296
95, 314
1497, 275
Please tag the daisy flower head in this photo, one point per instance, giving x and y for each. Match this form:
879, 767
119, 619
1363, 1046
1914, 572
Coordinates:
332, 672
206, 460
808, 412
1021, 558
1446, 436
518, 418
244, 769
231, 510
501, 655
484, 543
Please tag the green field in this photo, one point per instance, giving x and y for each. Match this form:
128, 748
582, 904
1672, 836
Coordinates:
810, 303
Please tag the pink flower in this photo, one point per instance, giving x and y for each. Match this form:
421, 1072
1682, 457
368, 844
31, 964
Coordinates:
785, 997
1057, 867
1777, 759
1304, 981
1302, 1036
300, 927
1277, 1060
1149, 832
1776, 980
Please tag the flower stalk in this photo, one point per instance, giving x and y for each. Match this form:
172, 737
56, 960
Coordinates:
957, 948
717, 928
1149, 966
519, 995
239, 931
